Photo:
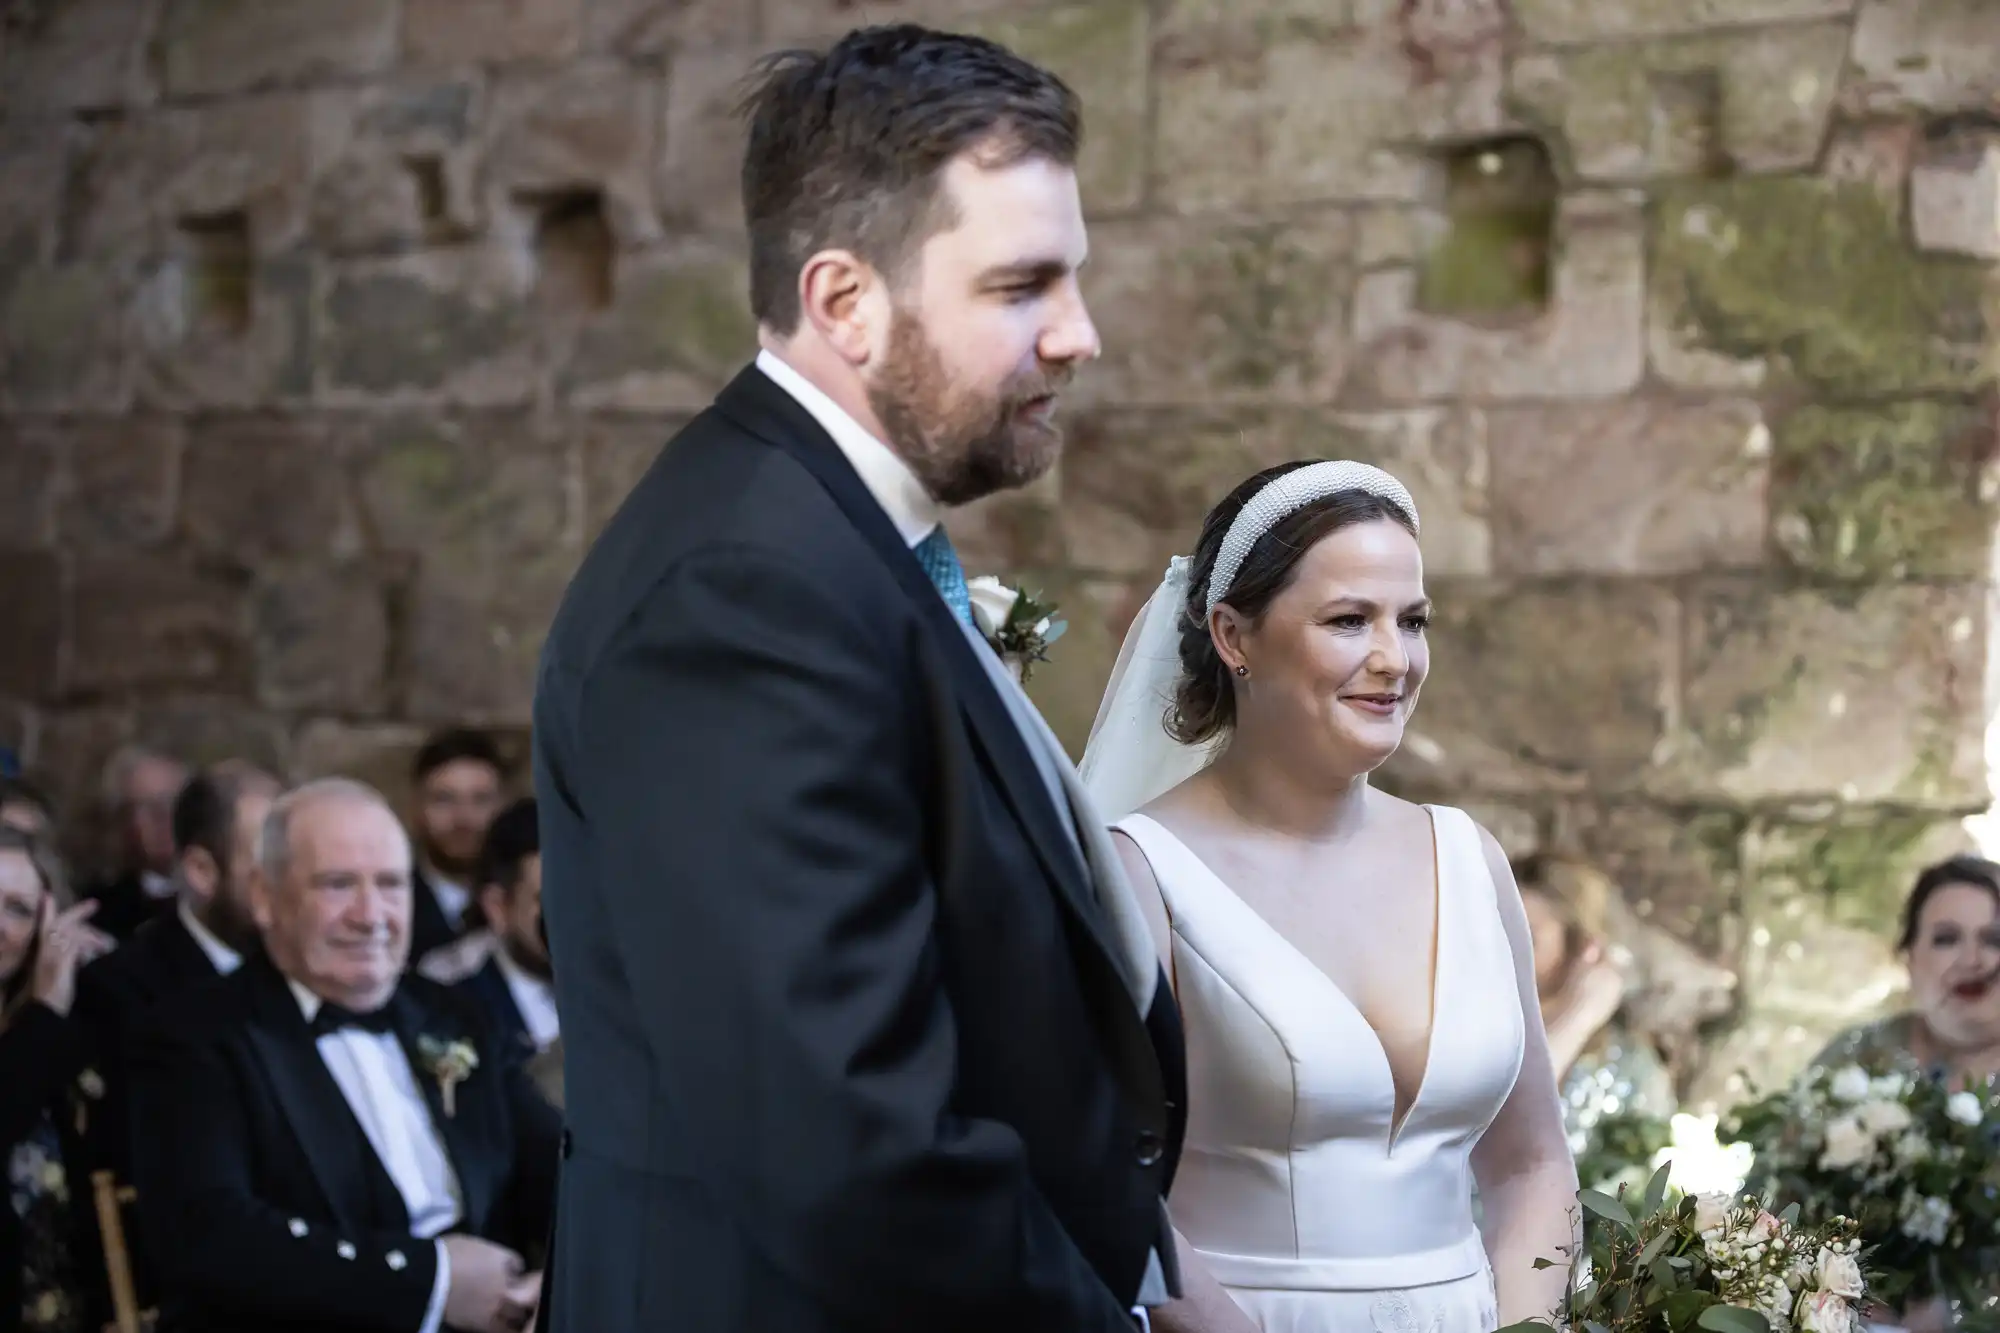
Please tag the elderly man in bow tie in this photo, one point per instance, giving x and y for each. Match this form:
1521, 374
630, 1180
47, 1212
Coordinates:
329, 1143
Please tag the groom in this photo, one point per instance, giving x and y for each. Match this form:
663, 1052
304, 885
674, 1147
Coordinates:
862, 1031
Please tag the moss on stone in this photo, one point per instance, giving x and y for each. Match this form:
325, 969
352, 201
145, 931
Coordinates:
389, 331
1266, 298
691, 319
1818, 275
1881, 491
1856, 866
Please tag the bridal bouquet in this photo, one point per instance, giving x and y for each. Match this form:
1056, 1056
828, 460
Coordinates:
1917, 1164
1656, 1264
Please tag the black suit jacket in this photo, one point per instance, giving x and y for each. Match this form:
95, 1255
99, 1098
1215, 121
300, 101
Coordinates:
488, 989
115, 997
844, 1042
264, 1202
123, 905
430, 928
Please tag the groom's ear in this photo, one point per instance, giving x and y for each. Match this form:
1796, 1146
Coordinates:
841, 296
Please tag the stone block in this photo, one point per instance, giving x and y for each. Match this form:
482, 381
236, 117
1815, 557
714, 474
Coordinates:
467, 496
1955, 203
83, 55
35, 157
258, 489
445, 326
1680, 869
406, 171
1816, 278
1502, 714
697, 184
678, 329
141, 621
1253, 110
656, 27
616, 452
1589, 343
207, 729
1887, 491
144, 177
1635, 487
377, 753
1569, 22
1800, 694
1102, 50
1876, 153
122, 483
71, 750
190, 357
821, 21
588, 127
1759, 101
1200, 313
211, 48
320, 633
491, 32
32, 603
1136, 485
473, 638
62, 339
1926, 56
32, 460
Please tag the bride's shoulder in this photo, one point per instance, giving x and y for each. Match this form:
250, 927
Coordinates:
1450, 820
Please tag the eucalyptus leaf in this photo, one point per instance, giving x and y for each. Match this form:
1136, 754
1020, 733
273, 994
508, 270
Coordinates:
1606, 1207
1656, 1189
1732, 1319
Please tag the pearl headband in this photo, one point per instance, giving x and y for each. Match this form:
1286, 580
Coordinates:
1286, 496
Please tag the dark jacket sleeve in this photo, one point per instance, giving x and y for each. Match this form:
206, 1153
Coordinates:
40, 1052
749, 761
225, 1249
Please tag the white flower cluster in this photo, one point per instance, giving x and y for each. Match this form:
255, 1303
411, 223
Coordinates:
1871, 1134
1760, 1263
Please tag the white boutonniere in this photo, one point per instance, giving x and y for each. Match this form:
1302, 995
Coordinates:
451, 1063
1018, 625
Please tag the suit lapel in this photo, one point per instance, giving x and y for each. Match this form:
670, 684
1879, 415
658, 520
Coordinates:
314, 1107
767, 411
464, 1130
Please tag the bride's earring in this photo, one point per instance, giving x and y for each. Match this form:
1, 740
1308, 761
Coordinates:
1242, 670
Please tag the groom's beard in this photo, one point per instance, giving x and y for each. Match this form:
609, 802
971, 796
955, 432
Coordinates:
962, 446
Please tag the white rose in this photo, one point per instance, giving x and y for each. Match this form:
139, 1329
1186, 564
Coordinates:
1839, 1274
1893, 1086
1882, 1118
1711, 1211
1847, 1145
1850, 1084
1965, 1108
992, 602
1826, 1312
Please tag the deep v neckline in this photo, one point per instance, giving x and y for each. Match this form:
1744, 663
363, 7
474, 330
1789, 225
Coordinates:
1398, 1122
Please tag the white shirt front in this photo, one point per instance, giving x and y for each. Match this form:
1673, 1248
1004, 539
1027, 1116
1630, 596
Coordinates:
375, 1078
533, 996
220, 956
452, 897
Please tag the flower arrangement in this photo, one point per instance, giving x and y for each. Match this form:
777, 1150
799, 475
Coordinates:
1019, 625
1657, 1264
1916, 1163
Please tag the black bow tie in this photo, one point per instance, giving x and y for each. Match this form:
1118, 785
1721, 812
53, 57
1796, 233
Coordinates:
333, 1018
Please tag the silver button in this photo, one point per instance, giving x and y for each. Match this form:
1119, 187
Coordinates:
298, 1226
397, 1261
345, 1250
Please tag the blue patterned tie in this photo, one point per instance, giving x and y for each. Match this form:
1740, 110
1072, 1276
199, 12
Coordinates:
940, 562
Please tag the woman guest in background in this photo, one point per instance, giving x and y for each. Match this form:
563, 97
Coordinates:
1353, 971
49, 1271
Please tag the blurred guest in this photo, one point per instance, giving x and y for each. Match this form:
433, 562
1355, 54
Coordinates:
545, 1068
26, 808
139, 789
50, 1275
332, 1144
458, 778
1949, 939
506, 965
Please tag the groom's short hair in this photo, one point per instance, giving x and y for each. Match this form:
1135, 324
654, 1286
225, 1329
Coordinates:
846, 146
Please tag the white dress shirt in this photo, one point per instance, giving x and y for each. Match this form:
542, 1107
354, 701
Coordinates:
533, 996
452, 897
220, 956
916, 515
375, 1077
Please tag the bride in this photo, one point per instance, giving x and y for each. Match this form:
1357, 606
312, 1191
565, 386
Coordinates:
1353, 971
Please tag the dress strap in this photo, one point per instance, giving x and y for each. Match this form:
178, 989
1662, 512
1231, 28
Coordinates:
1149, 845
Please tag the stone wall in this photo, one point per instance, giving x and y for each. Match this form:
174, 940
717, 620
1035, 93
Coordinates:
330, 332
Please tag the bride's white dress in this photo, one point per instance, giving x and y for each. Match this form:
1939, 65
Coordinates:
1296, 1187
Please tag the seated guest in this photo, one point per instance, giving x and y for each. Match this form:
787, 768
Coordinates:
139, 790
506, 966
330, 1144
216, 818
51, 1278
25, 808
458, 776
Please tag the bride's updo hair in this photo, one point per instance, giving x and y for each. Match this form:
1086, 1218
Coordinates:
1204, 704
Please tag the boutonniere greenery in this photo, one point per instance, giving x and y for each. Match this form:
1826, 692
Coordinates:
1018, 624
451, 1063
